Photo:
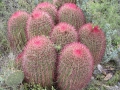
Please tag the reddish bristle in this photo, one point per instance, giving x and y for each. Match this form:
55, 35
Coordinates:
96, 29
77, 52
71, 5
36, 15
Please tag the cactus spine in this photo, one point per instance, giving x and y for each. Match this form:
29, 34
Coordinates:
16, 30
63, 34
94, 38
39, 23
72, 14
75, 67
49, 8
38, 61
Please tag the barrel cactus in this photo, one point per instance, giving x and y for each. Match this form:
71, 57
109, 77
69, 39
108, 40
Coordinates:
39, 61
49, 8
75, 67
72, 14
93, 37
16, 30
63, 34
39, 23
59, 3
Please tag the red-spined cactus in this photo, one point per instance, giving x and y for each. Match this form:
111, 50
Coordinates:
93, 37
59, 3
63, 34
39, 23
16, 30
39, 61
71, 14
75, 67
49, 8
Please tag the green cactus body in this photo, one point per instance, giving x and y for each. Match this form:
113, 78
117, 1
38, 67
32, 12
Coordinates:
94, 38
39, 23
75, 67
14, 78
72, 14
59, 3
16, 30
63, 34
39, 61
49, 8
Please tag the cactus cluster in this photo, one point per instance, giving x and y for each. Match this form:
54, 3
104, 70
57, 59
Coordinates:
81, 45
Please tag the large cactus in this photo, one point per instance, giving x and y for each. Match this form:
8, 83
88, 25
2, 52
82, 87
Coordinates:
63, 34
39, 23
39, 61
16, 30
59, 3
49, 8
94, 38
75, 67
71, 14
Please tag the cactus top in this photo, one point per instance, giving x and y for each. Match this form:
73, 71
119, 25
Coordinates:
44, 5
64, 27
17, 14
78, 50
37, 42
71, 5
37, 15
14, 18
